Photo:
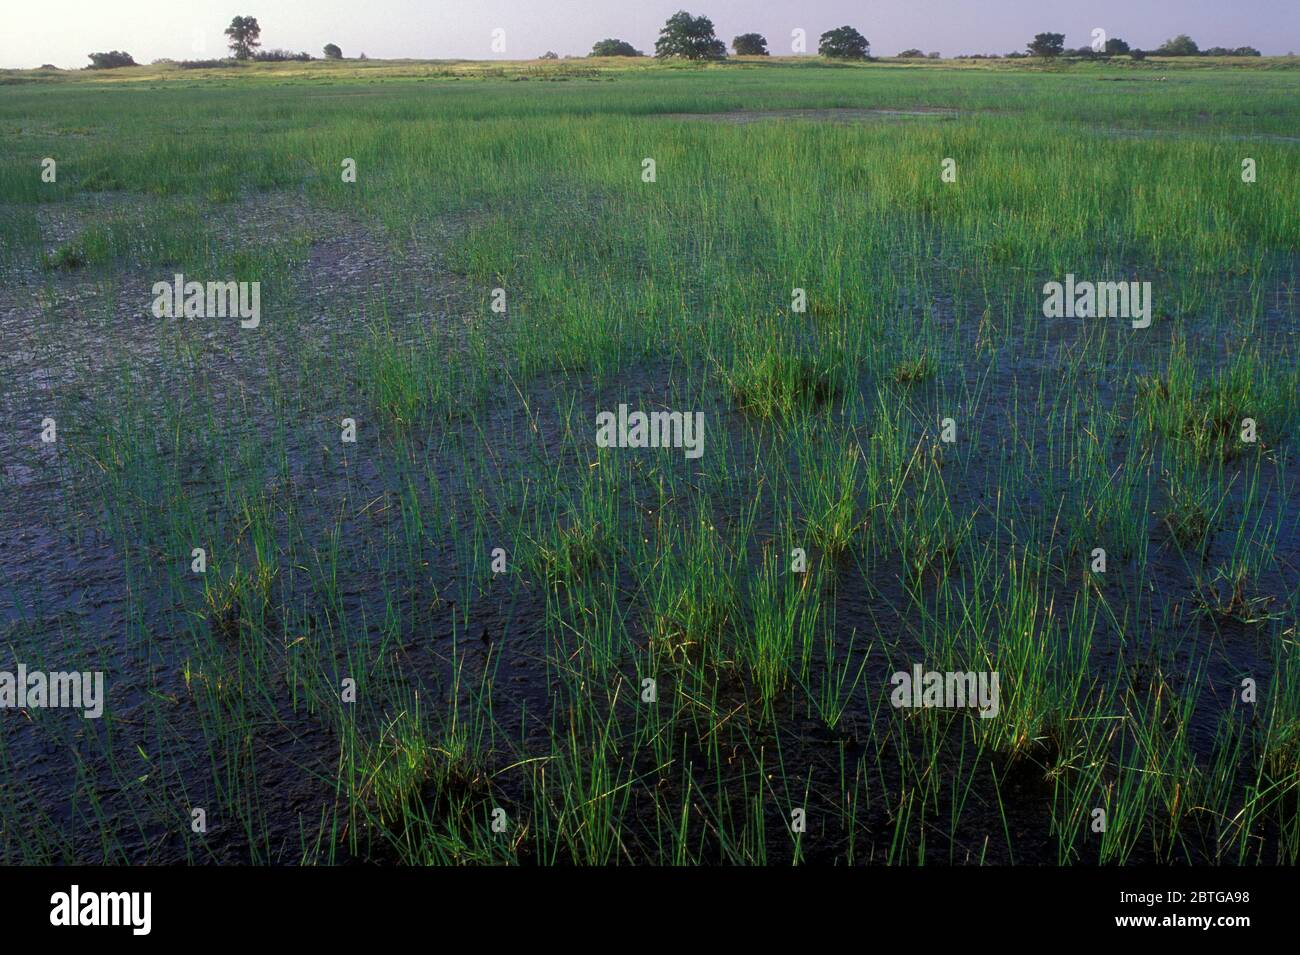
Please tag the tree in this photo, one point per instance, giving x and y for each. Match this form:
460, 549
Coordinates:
245, 35
1116, 47
844, 43
1181, 45
549, 55
912, 54
615, 48
1137, 53
332, 52
750, 44
690, 38
110, 60
1047, 45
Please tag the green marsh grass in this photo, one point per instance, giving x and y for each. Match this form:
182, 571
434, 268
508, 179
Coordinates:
522, 690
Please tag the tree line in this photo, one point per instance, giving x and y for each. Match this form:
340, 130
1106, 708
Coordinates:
1052, 45
689, 37
243, 37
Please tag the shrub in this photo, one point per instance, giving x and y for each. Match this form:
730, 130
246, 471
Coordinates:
110, 61
611, 47
1181, 45
280, 56
207, 64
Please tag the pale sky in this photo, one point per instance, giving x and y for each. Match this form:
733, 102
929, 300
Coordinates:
62, 32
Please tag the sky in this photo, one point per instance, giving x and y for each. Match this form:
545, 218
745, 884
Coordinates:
63, 32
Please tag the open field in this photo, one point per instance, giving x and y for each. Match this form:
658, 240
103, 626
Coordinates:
432, 643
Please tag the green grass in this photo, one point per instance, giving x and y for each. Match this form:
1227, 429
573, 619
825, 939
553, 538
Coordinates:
678, 652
